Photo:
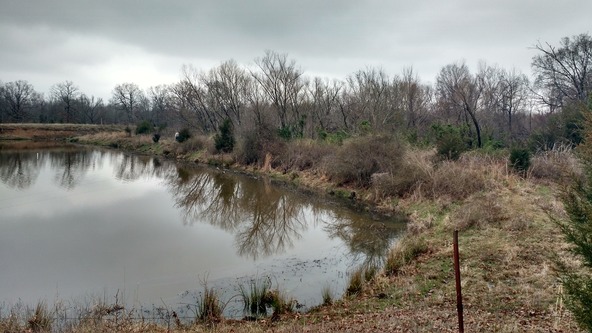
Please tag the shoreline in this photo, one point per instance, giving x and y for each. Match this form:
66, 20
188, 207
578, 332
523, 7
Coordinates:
505, 239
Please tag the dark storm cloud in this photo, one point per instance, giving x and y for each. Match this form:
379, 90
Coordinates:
65, 39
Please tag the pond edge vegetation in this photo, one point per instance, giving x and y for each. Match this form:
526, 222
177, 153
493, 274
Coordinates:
472, 193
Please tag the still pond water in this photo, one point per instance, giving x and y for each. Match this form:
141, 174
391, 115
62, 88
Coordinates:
79, 222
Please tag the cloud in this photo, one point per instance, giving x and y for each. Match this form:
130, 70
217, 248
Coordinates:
98, 44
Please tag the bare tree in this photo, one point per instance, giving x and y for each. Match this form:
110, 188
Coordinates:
161, 100
66, 95
227, 88
514, 94
129, 98
282, 83
192, 102
91, 108
564, 73
324, 102
416, 98
459, 92
19, 98
373, 97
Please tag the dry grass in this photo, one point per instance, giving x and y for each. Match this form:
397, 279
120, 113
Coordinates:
51, 131
557, 165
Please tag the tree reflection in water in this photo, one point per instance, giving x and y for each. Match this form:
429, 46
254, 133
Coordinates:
364, 236
20, 163
266, 219
20, 170
71, 166
263, 218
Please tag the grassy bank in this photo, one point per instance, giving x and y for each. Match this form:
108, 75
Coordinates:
52, 131
507, 240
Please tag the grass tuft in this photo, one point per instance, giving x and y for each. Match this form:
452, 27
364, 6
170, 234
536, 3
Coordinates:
41, 319
255, 297
403, 253
209, 309
327, 295
355, 285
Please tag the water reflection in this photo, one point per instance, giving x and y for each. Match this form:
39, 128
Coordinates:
71, 166
19, 170
264, 219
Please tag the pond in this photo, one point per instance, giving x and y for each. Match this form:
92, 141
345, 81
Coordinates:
80, 222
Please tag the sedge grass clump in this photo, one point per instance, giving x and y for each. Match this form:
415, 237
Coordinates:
479, 211
356, 282
279, 302
327, 295
259, 297
209, 308
403, 253
255, 297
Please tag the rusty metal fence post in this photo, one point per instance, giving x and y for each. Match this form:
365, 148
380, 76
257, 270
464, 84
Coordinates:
459, 305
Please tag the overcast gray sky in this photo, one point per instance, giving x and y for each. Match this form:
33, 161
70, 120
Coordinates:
98, 44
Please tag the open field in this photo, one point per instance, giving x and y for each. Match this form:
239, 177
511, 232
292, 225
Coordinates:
506, 235
51, 131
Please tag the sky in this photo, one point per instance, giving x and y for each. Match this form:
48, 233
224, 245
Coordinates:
99, 44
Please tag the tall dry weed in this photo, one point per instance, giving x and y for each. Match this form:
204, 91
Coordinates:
414, 170
559, 164
300, 155
482, 210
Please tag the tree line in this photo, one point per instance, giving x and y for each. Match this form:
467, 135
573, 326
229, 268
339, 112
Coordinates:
489, 106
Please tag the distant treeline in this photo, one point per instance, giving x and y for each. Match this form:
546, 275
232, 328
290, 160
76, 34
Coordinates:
490, 107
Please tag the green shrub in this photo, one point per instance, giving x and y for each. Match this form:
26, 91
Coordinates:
520, 160
144, 127
182, 135
450, 141
224, 140
337, 137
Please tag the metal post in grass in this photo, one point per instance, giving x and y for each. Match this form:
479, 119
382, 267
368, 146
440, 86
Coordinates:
459, 306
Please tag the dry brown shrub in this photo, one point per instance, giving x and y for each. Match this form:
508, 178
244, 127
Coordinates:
472, 173
253, 147
415, 169
359, 158
194, 144
302, 155
454, 180
559, 164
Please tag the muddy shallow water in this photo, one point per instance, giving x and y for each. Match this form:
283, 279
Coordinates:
86, 222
